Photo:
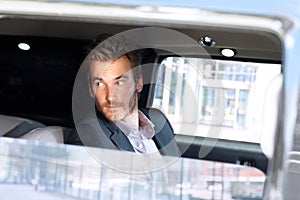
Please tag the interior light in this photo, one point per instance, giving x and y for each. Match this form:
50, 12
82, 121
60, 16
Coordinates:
24, 46
207, 41
228, 52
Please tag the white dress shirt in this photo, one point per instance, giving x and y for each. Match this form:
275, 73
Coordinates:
141, 139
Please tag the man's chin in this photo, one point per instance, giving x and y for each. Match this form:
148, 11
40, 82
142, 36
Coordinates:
112, 118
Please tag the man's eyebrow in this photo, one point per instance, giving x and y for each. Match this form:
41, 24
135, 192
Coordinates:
97, 79
116, 78
122, 76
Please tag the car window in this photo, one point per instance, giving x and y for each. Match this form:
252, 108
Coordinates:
197, 94
55, 171
247, 102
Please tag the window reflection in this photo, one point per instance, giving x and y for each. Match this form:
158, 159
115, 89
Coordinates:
237, 88
56, 171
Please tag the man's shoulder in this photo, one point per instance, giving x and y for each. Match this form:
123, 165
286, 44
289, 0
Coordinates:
89, 118
159, 119
91, 131
164, 137
154, 114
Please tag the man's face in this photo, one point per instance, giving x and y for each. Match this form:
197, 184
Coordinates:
114, 89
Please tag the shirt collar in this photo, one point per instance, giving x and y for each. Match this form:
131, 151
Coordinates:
146, 127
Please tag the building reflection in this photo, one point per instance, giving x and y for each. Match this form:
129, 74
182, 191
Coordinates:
60, 170
204, 92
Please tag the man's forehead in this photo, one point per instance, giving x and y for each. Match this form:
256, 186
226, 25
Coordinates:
110, 69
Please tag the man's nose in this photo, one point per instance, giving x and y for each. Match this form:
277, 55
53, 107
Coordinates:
111, 93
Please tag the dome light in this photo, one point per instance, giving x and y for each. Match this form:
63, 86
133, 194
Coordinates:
24, 46
228, 52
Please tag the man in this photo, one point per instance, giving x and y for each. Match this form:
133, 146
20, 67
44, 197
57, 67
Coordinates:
115, 82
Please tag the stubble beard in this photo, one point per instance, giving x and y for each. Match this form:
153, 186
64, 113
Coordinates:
126, 111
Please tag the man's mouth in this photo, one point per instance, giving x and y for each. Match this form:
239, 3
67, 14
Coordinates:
112, 106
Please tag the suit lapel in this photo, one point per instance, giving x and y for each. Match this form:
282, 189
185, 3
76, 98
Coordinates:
117, 136
164, 134
121, 140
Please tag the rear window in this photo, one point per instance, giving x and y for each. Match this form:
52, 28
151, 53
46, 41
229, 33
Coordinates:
198, 95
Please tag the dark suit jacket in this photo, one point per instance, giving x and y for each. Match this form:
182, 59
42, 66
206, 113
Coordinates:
96, 131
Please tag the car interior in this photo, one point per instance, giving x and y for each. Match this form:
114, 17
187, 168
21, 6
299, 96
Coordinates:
36, 85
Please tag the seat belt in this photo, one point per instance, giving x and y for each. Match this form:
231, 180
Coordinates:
22, 128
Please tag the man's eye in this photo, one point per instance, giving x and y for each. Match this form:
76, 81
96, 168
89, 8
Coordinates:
120, 83
99, 84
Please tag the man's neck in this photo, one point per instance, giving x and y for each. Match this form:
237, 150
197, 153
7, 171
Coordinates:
132, 119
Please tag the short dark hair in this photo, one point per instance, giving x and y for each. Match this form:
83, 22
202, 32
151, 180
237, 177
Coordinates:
105, 48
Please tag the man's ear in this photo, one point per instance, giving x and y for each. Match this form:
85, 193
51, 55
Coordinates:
139, 85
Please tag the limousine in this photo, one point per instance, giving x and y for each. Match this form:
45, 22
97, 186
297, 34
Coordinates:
225, 75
